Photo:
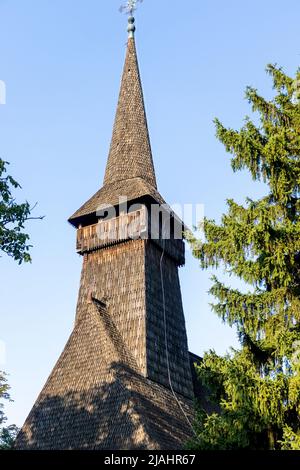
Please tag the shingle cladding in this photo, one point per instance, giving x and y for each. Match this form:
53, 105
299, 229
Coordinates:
172, 319
126, 276
116, 275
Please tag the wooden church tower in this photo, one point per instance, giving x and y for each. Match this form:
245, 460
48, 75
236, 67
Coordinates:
124, 378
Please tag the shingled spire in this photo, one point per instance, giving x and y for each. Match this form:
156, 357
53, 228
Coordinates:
129, 170
130, 151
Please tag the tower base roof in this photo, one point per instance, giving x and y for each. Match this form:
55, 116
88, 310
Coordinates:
95, 398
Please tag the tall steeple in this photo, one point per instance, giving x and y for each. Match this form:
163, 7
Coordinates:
124, 378
129, 170
130, 151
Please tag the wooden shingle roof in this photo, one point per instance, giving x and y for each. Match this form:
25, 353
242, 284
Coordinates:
95, 398
129, 170
130, 151
109, 194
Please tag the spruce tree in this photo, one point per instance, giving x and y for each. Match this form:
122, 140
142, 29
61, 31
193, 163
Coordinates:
255, 391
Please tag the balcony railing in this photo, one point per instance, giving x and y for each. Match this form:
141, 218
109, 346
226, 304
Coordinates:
129, 226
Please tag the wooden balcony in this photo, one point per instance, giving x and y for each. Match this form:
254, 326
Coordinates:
129, 226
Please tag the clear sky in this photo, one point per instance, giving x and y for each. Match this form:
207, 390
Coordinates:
61, 61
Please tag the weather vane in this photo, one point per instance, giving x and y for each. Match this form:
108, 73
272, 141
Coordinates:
130, 7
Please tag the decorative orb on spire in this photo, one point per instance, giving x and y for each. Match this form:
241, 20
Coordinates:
129, 8
131, 26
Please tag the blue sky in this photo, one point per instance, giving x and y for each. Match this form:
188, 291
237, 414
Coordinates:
61, 61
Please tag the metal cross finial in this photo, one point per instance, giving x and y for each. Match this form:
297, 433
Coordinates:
130, 6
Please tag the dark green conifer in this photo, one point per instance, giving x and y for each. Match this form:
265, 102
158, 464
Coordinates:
256, 390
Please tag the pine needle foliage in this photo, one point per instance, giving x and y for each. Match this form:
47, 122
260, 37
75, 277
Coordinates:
255, 391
